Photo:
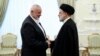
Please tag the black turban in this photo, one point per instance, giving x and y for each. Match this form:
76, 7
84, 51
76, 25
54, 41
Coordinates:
67, 8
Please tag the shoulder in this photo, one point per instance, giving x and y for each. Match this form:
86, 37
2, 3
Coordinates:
27, 22
70, 22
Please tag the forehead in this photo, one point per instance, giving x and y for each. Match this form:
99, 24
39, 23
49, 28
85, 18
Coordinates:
36, 8
60, 10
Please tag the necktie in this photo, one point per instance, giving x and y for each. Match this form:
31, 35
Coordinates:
42, 29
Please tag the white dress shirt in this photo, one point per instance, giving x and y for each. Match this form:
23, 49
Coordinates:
40, 26
66, 19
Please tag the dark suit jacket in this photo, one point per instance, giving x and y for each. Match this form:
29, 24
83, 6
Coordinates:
33, 39
66, 43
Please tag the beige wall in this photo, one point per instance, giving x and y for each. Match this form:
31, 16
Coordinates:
88, 22
71, 2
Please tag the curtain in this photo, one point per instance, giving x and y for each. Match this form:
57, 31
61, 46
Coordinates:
3, 7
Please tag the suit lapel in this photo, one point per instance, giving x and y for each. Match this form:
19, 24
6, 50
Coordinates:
35, 26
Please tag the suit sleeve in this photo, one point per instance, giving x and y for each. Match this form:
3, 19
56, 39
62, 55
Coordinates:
29, 38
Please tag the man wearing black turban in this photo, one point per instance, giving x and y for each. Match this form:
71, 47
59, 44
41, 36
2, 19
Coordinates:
66, 43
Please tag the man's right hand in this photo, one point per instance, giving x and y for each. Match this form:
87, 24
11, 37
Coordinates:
48, 41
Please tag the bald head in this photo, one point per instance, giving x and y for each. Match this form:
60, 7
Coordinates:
35, 7
36, 11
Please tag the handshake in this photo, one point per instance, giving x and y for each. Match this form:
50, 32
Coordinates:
50, 42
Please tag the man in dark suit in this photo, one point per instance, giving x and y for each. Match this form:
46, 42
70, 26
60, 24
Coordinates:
34, 41
66, 43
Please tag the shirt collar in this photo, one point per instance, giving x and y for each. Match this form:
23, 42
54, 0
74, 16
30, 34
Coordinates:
37, 21
66, 19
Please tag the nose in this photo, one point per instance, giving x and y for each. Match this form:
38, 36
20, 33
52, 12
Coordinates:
58, 15
39, 14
